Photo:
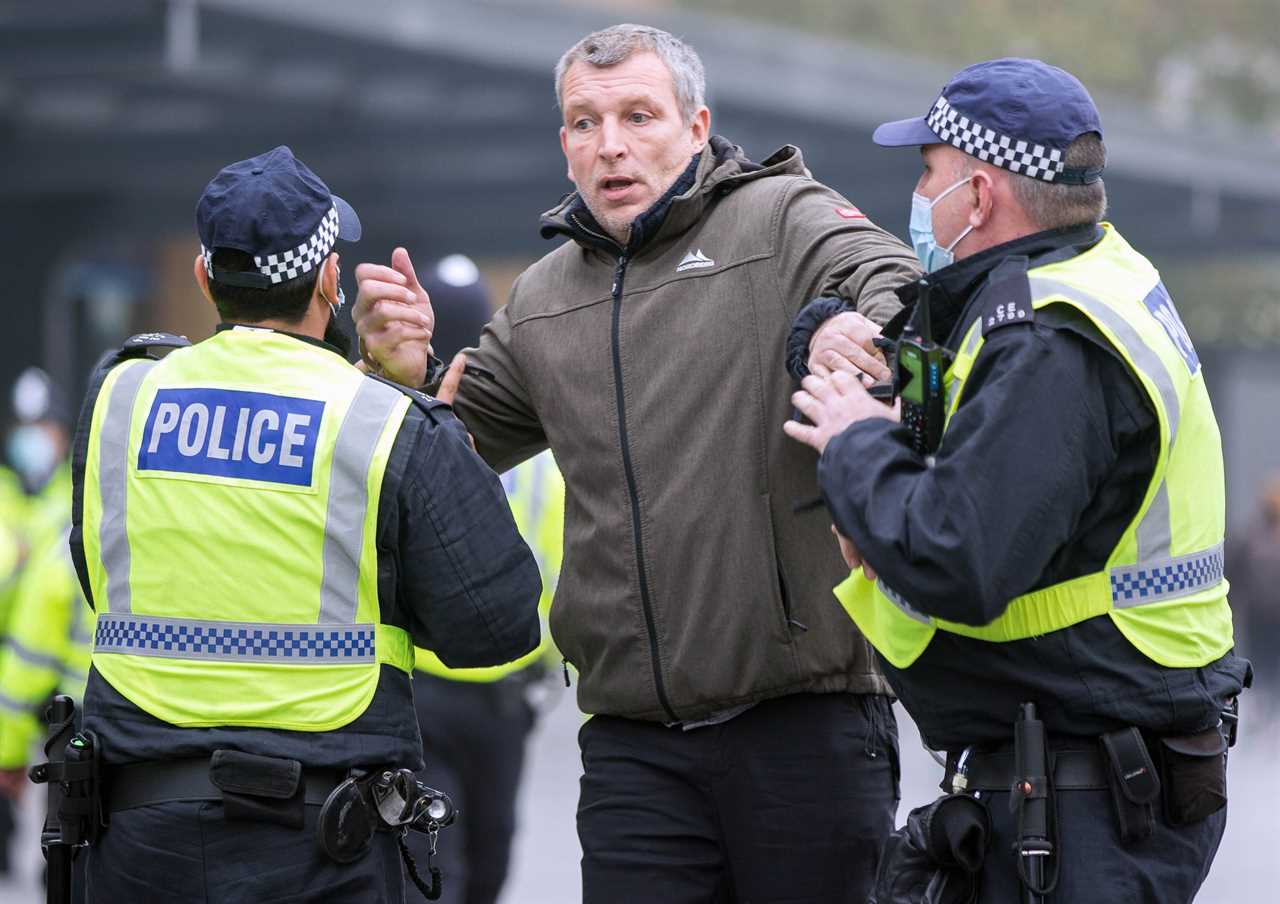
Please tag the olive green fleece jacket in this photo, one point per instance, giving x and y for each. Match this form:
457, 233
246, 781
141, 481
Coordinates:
698, 562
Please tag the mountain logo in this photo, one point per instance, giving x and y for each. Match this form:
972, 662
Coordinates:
695, 260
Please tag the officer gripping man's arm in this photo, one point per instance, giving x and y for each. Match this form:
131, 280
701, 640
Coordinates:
265, 533
1055, 559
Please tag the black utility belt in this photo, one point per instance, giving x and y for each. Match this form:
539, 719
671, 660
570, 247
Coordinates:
228, 776
1185, 774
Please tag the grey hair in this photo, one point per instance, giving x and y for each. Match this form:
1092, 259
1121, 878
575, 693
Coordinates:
613, 45
1052, 206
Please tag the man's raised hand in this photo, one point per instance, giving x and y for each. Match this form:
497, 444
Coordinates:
394, 320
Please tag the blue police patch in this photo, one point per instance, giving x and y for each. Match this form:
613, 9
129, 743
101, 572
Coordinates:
1161, 307
232, 433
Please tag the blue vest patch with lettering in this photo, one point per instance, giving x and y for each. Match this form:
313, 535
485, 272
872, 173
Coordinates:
1161, 307
232, 433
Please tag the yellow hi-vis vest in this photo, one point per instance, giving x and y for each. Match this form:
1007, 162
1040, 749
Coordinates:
535, 492
1163, 584
230, 512
47, 648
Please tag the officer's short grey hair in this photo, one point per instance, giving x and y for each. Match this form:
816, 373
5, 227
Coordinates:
615, 44
1052, 206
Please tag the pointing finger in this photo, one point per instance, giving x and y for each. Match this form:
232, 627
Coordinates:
379, 271
404, 265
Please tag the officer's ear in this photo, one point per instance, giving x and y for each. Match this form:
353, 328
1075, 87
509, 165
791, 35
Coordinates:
327, 284
202, 278
981, 188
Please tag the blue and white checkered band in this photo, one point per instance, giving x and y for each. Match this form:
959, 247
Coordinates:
1154, 582
286, 265
171, 638
990, 146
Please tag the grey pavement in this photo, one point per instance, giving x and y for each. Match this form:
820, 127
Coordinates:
545, 865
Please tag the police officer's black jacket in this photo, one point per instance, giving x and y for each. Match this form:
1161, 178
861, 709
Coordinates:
452, 571
1073, 441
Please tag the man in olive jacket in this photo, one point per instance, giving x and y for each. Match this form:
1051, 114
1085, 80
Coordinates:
742, 746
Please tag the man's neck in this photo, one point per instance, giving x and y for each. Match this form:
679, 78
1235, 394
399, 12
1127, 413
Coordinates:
311, 325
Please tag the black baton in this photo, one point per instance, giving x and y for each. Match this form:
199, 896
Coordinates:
1030, 797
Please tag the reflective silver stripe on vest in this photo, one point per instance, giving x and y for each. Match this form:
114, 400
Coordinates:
34, 657
349, 499
897, 599
182, 638
15, 706
1158, 582
113, 479
1155, 531
975, 336
1142, 354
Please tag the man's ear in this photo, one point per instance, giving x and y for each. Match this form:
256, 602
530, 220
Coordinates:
327, 283
700, 128
983, 187
202, 278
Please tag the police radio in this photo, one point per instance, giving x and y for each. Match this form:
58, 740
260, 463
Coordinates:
917, 364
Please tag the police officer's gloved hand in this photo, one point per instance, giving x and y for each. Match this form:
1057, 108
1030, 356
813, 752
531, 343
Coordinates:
936, 857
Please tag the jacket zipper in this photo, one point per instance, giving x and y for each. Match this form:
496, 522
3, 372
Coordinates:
659, 685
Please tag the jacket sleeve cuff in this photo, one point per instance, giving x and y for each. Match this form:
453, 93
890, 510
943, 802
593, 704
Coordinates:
811, 317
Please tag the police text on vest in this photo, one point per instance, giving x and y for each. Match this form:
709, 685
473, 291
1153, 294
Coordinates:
232, 433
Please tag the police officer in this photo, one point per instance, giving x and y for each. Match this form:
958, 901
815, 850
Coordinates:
1062, 545
35, 506
265, 534
45, 652
476, 722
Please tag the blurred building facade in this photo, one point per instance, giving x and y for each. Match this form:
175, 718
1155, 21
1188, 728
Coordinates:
438, 121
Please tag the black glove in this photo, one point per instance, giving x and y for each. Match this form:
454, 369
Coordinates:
936, 857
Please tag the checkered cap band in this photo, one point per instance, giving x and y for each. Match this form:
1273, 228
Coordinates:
234, 641
1155, 582
286, 265
990, 146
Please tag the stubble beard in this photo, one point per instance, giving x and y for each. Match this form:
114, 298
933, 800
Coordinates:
614, 225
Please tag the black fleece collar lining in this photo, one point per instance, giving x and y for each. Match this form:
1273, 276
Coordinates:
955, 285
583, 228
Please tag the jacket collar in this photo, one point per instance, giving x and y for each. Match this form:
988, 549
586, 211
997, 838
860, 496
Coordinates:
310, 340
719, 168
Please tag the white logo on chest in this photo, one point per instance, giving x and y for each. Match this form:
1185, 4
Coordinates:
694, 260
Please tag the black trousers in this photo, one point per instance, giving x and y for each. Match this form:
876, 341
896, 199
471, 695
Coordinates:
187, 851
1167, 867
473, 736
789, 801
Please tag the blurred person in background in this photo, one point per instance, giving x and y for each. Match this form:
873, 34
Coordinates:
36, 450
742, 745
1060, 548
35, 510
46, 652
475, 723
1253, 567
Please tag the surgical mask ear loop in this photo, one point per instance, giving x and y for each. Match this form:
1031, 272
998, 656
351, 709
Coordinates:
931, 255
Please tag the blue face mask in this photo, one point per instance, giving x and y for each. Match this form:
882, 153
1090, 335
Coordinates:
932, 255
33, 454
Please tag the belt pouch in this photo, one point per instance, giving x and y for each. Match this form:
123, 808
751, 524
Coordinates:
1133, 781
259, 788
1194, 768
